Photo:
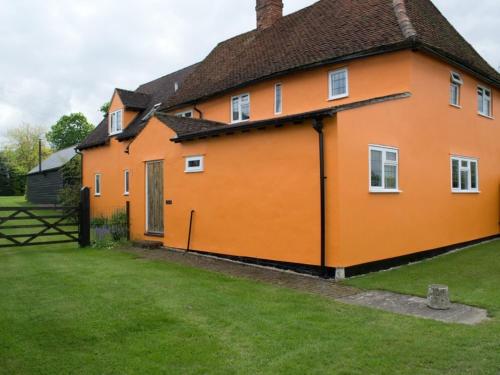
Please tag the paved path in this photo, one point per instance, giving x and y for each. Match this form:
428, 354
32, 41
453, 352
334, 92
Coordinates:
387, 301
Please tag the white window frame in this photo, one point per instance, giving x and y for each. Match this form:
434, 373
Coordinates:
119, 124
233, 121
485, 90
469, 160
331, 96
198, 169
126, 182
97, 192
278, 106
151, 112
384, 150
456, 82
184, 113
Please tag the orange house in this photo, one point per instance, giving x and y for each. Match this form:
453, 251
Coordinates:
350, 135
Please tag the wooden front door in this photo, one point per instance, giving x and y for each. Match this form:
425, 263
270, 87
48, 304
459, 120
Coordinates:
154, 197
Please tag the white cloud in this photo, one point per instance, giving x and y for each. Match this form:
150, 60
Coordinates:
66, 56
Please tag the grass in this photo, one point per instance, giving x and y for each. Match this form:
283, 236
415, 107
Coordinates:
66, 310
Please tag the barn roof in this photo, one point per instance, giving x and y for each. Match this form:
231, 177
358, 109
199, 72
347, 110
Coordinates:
56, 160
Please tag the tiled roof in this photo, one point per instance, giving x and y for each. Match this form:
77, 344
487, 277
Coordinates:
156, 91
134, 100
326, 32
183, 125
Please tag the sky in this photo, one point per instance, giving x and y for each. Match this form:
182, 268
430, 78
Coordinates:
59, 57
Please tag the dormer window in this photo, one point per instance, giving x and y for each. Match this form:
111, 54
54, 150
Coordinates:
151, 112
116, 122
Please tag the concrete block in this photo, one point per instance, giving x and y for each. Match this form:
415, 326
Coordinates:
438, 297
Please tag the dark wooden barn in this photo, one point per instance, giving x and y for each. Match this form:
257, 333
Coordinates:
45, 182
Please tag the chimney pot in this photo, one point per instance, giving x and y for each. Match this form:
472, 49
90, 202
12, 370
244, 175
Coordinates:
268, 12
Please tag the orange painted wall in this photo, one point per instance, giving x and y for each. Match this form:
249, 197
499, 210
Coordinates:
128, 115
427, 130
259, 194
308, 90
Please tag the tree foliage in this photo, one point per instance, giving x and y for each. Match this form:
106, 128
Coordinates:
22, 147
105, 108
69, 131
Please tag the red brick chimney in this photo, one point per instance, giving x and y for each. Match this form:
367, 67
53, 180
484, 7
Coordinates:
268, 12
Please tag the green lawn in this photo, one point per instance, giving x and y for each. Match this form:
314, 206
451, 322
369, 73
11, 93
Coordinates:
13, 201
65, 310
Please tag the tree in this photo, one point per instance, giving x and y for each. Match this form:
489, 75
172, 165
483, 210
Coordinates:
6, 187
105, 108
69, 131
22, 147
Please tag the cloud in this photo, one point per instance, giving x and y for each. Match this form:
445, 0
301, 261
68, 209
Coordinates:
68, 56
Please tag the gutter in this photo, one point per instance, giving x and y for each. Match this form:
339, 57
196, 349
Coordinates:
318, 126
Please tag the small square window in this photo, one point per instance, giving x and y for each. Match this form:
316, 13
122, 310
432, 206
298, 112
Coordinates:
194, 164
338, 84
240, 108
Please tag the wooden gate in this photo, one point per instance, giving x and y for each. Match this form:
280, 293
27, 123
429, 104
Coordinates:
154, 197
30, 226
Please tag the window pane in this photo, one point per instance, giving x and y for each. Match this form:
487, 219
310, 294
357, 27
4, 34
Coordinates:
245, 107
188, 114
277, 105
194, 163
464, 180
391, 156
236, 109
97, 184
339, 83
119, 121
455, 174
454, 94
126, 181
487, 105
473, 174
376, 168
390, 172
480, 102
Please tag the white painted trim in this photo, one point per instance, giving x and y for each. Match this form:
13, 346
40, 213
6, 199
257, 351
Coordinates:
239, 108
384, 150
486, 89
96, 177
330, 87
276, 112
201, 168
110, 120
184, 113
126, 182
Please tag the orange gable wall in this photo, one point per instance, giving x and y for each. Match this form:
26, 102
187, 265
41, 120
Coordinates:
308, 90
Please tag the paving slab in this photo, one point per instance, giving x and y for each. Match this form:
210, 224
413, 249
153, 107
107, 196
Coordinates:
381, 300
416, 306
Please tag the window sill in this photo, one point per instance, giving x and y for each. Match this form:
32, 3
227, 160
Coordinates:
158, 235
466, 192
97, 195
115, 133
385, 191
126, 194
194, 171
238, 122
485, 116
332, 98
455, 106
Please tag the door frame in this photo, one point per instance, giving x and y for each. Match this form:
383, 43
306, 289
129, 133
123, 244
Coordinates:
146, 165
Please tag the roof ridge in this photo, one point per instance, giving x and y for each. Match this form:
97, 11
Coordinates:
403, 19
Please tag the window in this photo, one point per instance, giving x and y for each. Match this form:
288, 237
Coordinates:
456, 83
240, 108
126, 182
194, 164
464, 175
384, 169
278, 99
151, 112
188, 114
484, 101
339, 84
97, 185
116, 122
